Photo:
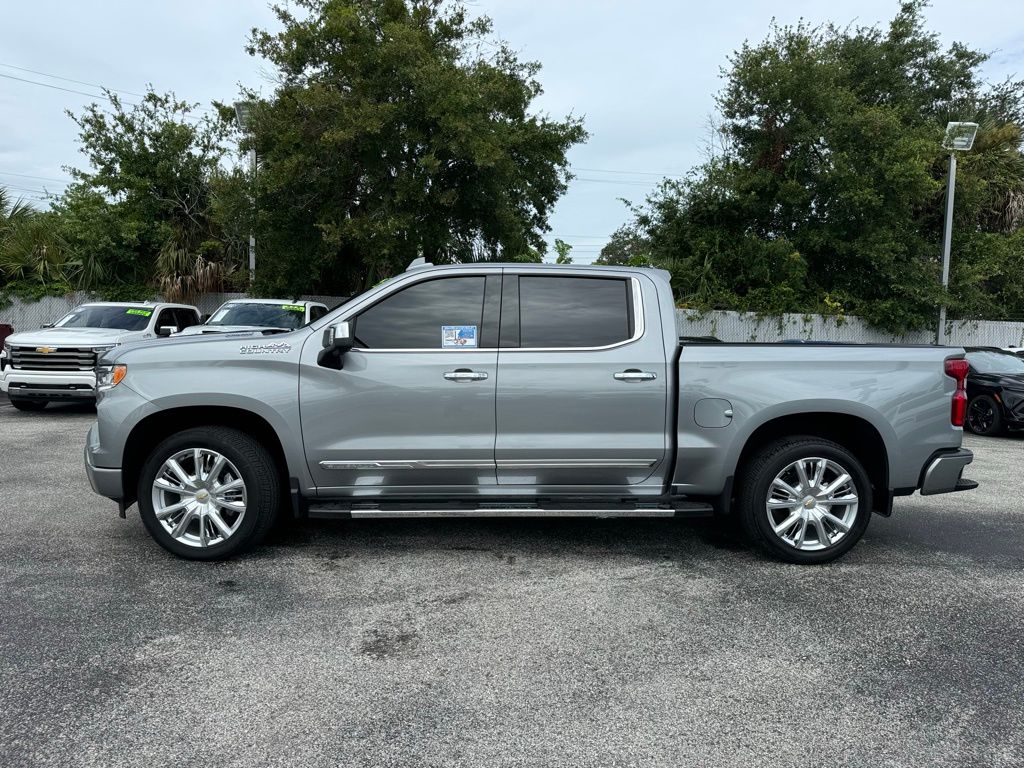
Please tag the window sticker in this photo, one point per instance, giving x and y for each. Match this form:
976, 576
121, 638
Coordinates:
458, 336
140, 312
293, 307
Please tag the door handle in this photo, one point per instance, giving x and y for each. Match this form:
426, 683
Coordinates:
635, 375
464, 374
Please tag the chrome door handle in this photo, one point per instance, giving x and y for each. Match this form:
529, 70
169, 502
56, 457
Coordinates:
464, 374
634, 375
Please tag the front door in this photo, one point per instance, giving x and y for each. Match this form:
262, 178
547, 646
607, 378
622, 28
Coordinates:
582, 384
412, 410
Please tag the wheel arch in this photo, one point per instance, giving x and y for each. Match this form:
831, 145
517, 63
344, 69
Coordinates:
153, 429
855, 433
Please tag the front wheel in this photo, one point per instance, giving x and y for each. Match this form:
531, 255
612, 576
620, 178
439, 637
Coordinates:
984, 416
209, 493
28, 405
804, 500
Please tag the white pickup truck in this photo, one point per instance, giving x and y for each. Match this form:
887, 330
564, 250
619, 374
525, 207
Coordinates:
58, 362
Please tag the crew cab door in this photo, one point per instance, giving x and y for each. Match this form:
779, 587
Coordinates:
582, 397
412, 409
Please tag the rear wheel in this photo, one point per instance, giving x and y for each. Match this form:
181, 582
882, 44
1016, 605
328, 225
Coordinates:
984, 416
209, 493
28, 405
805, 500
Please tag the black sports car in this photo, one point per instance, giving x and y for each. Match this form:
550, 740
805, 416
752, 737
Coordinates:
995, 390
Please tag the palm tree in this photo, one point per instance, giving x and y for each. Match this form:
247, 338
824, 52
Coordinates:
30, 251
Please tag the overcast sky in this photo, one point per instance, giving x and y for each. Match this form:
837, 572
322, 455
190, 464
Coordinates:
642, 74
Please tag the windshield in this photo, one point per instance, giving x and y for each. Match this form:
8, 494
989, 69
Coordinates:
290, 316
122, 318
995, 362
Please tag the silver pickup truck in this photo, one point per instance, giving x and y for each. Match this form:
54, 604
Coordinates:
521, 390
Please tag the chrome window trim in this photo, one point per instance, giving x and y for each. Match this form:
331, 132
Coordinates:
638, 322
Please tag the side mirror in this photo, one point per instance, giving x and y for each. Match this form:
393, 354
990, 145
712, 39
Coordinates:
46, 325
166, 330
338, 339
204, 318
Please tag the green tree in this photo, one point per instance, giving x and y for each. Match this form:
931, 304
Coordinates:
33, 258
399, 129
625, 248
828, 190
145, 211
562, 251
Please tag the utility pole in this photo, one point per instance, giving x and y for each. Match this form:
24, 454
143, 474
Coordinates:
242, 110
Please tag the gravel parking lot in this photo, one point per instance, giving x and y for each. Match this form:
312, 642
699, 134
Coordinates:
503, 642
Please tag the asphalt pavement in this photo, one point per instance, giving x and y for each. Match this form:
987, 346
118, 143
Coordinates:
504, 642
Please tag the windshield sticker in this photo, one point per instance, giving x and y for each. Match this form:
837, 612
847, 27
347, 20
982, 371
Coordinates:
293, 307
140, 312
279, 348
458, 336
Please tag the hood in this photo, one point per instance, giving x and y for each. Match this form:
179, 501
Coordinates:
177, 345
1014, 381
69, 337
202, 330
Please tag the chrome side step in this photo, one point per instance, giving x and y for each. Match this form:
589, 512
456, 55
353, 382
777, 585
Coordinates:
399, 510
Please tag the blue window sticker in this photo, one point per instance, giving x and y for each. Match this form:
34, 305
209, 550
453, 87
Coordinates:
458, 336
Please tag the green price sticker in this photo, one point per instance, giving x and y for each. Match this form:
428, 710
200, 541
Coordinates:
141, 312
293, 307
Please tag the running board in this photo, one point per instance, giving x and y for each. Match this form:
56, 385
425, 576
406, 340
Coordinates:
398, 510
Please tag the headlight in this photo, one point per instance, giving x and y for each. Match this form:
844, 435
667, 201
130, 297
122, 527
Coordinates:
109, 376
7, 348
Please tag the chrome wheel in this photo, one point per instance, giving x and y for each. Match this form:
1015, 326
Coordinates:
812, 504
199, 497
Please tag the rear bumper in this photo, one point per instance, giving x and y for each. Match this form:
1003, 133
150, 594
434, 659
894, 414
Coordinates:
45, 385
942, 473
104, 480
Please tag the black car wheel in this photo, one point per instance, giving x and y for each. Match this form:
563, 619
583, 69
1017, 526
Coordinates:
984, 416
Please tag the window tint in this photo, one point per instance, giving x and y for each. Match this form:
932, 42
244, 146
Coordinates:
166, 317
573, 311
186, 318
315, 313
413, 318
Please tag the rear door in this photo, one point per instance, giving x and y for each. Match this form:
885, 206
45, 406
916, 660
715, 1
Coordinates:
582, 396
412, 410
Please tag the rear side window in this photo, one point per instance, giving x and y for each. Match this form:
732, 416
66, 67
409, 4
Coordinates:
436, 314
573, 311
186, 318
315, 313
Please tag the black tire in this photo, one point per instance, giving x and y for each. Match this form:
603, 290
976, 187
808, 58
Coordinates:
984, 416
258, 472
28, 405
757, 478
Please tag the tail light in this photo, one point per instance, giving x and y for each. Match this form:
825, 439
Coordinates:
957, 369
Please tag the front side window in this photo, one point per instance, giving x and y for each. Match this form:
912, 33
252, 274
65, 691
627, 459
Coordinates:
446, 313
573, 311
122, 318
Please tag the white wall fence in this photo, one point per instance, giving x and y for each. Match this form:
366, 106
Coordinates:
737, 326
728, 326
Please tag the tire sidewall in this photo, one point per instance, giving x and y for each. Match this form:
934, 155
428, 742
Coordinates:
201, 438
997, 421
784, 458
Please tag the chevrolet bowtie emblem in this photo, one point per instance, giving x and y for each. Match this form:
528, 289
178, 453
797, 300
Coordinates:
46, 350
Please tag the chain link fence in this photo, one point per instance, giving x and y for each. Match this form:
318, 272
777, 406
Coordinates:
727, 326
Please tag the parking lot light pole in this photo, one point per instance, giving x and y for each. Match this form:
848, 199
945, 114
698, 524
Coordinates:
242, 109
959, 138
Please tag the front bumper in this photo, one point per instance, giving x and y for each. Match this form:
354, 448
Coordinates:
47, 385
942, 473
104, 481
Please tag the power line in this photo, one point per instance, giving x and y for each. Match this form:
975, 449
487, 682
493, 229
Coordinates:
71, 80
30, 176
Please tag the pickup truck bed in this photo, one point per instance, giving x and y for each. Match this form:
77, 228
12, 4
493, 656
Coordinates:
493, 389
